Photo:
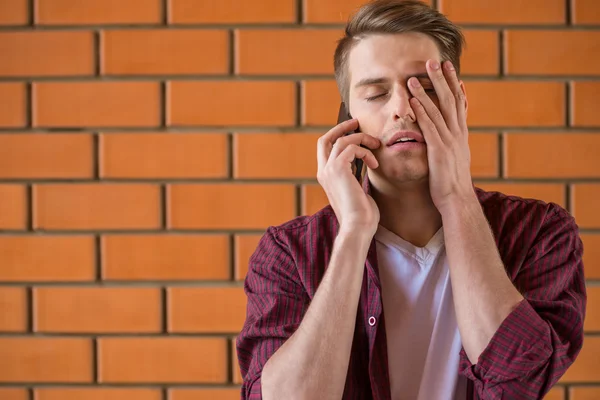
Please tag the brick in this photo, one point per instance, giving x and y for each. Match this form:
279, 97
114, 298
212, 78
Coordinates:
154, 360
548, 192
97, 309
285, 51
484, 154
47, 53
592, 314
481, 54
160, 51
506, 103
245, 245
586, 366
163, 155
42, 155
584, 393
97, 394
577, 152
229, 103
513, 12
206, 310
320, 102
90, 12
165, 257
313, 199
585, 12
13, 207
275, 155
591, 255
14, 12
218, 206
13, 308
13, 394
232, 12
235, 365
96, 206
557, 52
556, 393
584, 97
332, 11
584, 205
47, 258
13, 105
204, 394
96, 104
45, 360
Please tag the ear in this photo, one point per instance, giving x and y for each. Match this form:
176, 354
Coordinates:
464, 90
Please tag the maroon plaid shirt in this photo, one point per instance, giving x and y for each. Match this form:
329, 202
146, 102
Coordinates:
540, 246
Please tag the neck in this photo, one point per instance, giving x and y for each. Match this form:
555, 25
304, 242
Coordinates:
407, 210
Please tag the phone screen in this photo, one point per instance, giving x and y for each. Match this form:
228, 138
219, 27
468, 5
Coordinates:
357, 165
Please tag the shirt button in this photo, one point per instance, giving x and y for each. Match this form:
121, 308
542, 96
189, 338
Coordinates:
372, 321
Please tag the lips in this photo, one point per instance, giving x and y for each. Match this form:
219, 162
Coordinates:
405, 134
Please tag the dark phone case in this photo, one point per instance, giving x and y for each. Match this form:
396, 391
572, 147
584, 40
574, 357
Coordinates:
357, 164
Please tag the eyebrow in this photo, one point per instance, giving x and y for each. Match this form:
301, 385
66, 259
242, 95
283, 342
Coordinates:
377, 81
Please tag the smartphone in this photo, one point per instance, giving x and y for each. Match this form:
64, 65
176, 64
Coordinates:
358, 168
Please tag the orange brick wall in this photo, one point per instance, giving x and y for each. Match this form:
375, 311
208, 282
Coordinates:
145, 146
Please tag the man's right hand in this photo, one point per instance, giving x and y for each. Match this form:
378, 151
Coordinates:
355, 210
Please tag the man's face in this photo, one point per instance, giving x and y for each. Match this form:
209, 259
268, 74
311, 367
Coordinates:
384, 63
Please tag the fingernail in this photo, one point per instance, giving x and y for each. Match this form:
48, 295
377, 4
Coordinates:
434, 64
414, 82
449, 66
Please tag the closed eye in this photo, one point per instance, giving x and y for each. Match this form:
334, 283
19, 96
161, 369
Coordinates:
375, 97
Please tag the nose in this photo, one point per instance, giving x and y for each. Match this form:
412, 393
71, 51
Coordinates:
400, 104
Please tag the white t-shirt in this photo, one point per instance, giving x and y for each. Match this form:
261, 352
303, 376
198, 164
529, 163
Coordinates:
423, 340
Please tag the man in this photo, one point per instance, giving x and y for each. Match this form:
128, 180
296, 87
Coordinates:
416, 285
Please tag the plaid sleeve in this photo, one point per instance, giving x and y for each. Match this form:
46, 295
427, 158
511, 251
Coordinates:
543, 335
276, 303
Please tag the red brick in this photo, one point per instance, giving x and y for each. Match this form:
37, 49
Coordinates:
235, 365
275, 155
481, 54
285, 51
204, 394
505, 103
584, 393
591, 255
47, 258
97, 309
45, 360
583, 106
245, 245
332, 11
152, 360
585, 12
548, 192
232, 12
313, 199
484, 154
557, 52
14, 12
163, 155
586, 366
160, 51
584, 204
320, 102
96, 104
218, 206
511, 12
42, 155
165, 257
47, 53
13, 308
13, 207
556, 393
592, 314
13, 105
534, 155
96, 206
13, 394
89, 12
96, 393
229, 103
206, 310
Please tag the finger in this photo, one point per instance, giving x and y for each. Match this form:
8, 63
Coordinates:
325, 142
353, 151
433, 113
359, 138
443, 91
430, 132
457, 93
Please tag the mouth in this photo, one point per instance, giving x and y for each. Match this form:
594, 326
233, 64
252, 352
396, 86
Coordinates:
405, 137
